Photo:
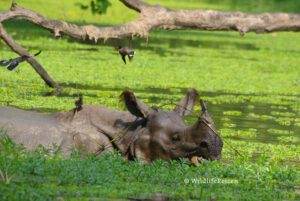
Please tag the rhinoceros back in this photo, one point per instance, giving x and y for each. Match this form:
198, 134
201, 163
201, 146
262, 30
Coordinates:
30, 128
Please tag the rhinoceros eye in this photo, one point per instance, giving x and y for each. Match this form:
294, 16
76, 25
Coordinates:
175, 137
204, 145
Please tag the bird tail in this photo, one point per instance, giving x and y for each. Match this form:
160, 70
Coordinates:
36, 54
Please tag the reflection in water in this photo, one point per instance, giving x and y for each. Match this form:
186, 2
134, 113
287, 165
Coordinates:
258, 122
259, 118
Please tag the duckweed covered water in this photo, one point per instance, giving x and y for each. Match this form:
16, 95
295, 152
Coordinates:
251, 85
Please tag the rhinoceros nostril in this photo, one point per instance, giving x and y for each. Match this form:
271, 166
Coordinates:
204, 145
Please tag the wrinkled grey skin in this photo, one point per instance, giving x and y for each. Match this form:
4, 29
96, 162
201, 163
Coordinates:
148, 133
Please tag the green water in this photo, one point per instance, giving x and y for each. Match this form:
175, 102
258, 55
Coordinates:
251, 85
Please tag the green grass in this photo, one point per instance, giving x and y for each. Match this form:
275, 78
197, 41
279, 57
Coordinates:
40, 175
251, 85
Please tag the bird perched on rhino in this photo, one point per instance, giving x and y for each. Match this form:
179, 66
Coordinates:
126, 51
13, 63
78, 104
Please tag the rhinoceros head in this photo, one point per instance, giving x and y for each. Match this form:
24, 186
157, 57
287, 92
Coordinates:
164, 135
204, 135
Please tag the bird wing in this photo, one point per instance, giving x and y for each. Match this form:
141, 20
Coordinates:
13, 65
15, 62
5, 62
123, 58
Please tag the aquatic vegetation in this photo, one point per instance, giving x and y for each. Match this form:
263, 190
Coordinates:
229, 125
289, 139
278, 131
233, 113
250, 84
279, 107
48, 176
229, 132
261, 117
284, 114
284, 121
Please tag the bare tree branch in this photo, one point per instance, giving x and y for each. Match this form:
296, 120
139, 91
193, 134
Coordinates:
152, 17
36, 65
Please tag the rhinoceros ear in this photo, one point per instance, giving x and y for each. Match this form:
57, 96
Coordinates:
134, 106
205, 115
186, 105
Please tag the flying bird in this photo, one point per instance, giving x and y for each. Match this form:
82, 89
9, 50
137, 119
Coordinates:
126, 51
13, 63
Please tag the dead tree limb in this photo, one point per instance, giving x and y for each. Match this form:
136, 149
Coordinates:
156, 17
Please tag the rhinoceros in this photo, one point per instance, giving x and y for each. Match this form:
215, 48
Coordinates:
143, 132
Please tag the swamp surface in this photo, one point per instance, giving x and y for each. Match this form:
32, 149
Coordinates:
251, 85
